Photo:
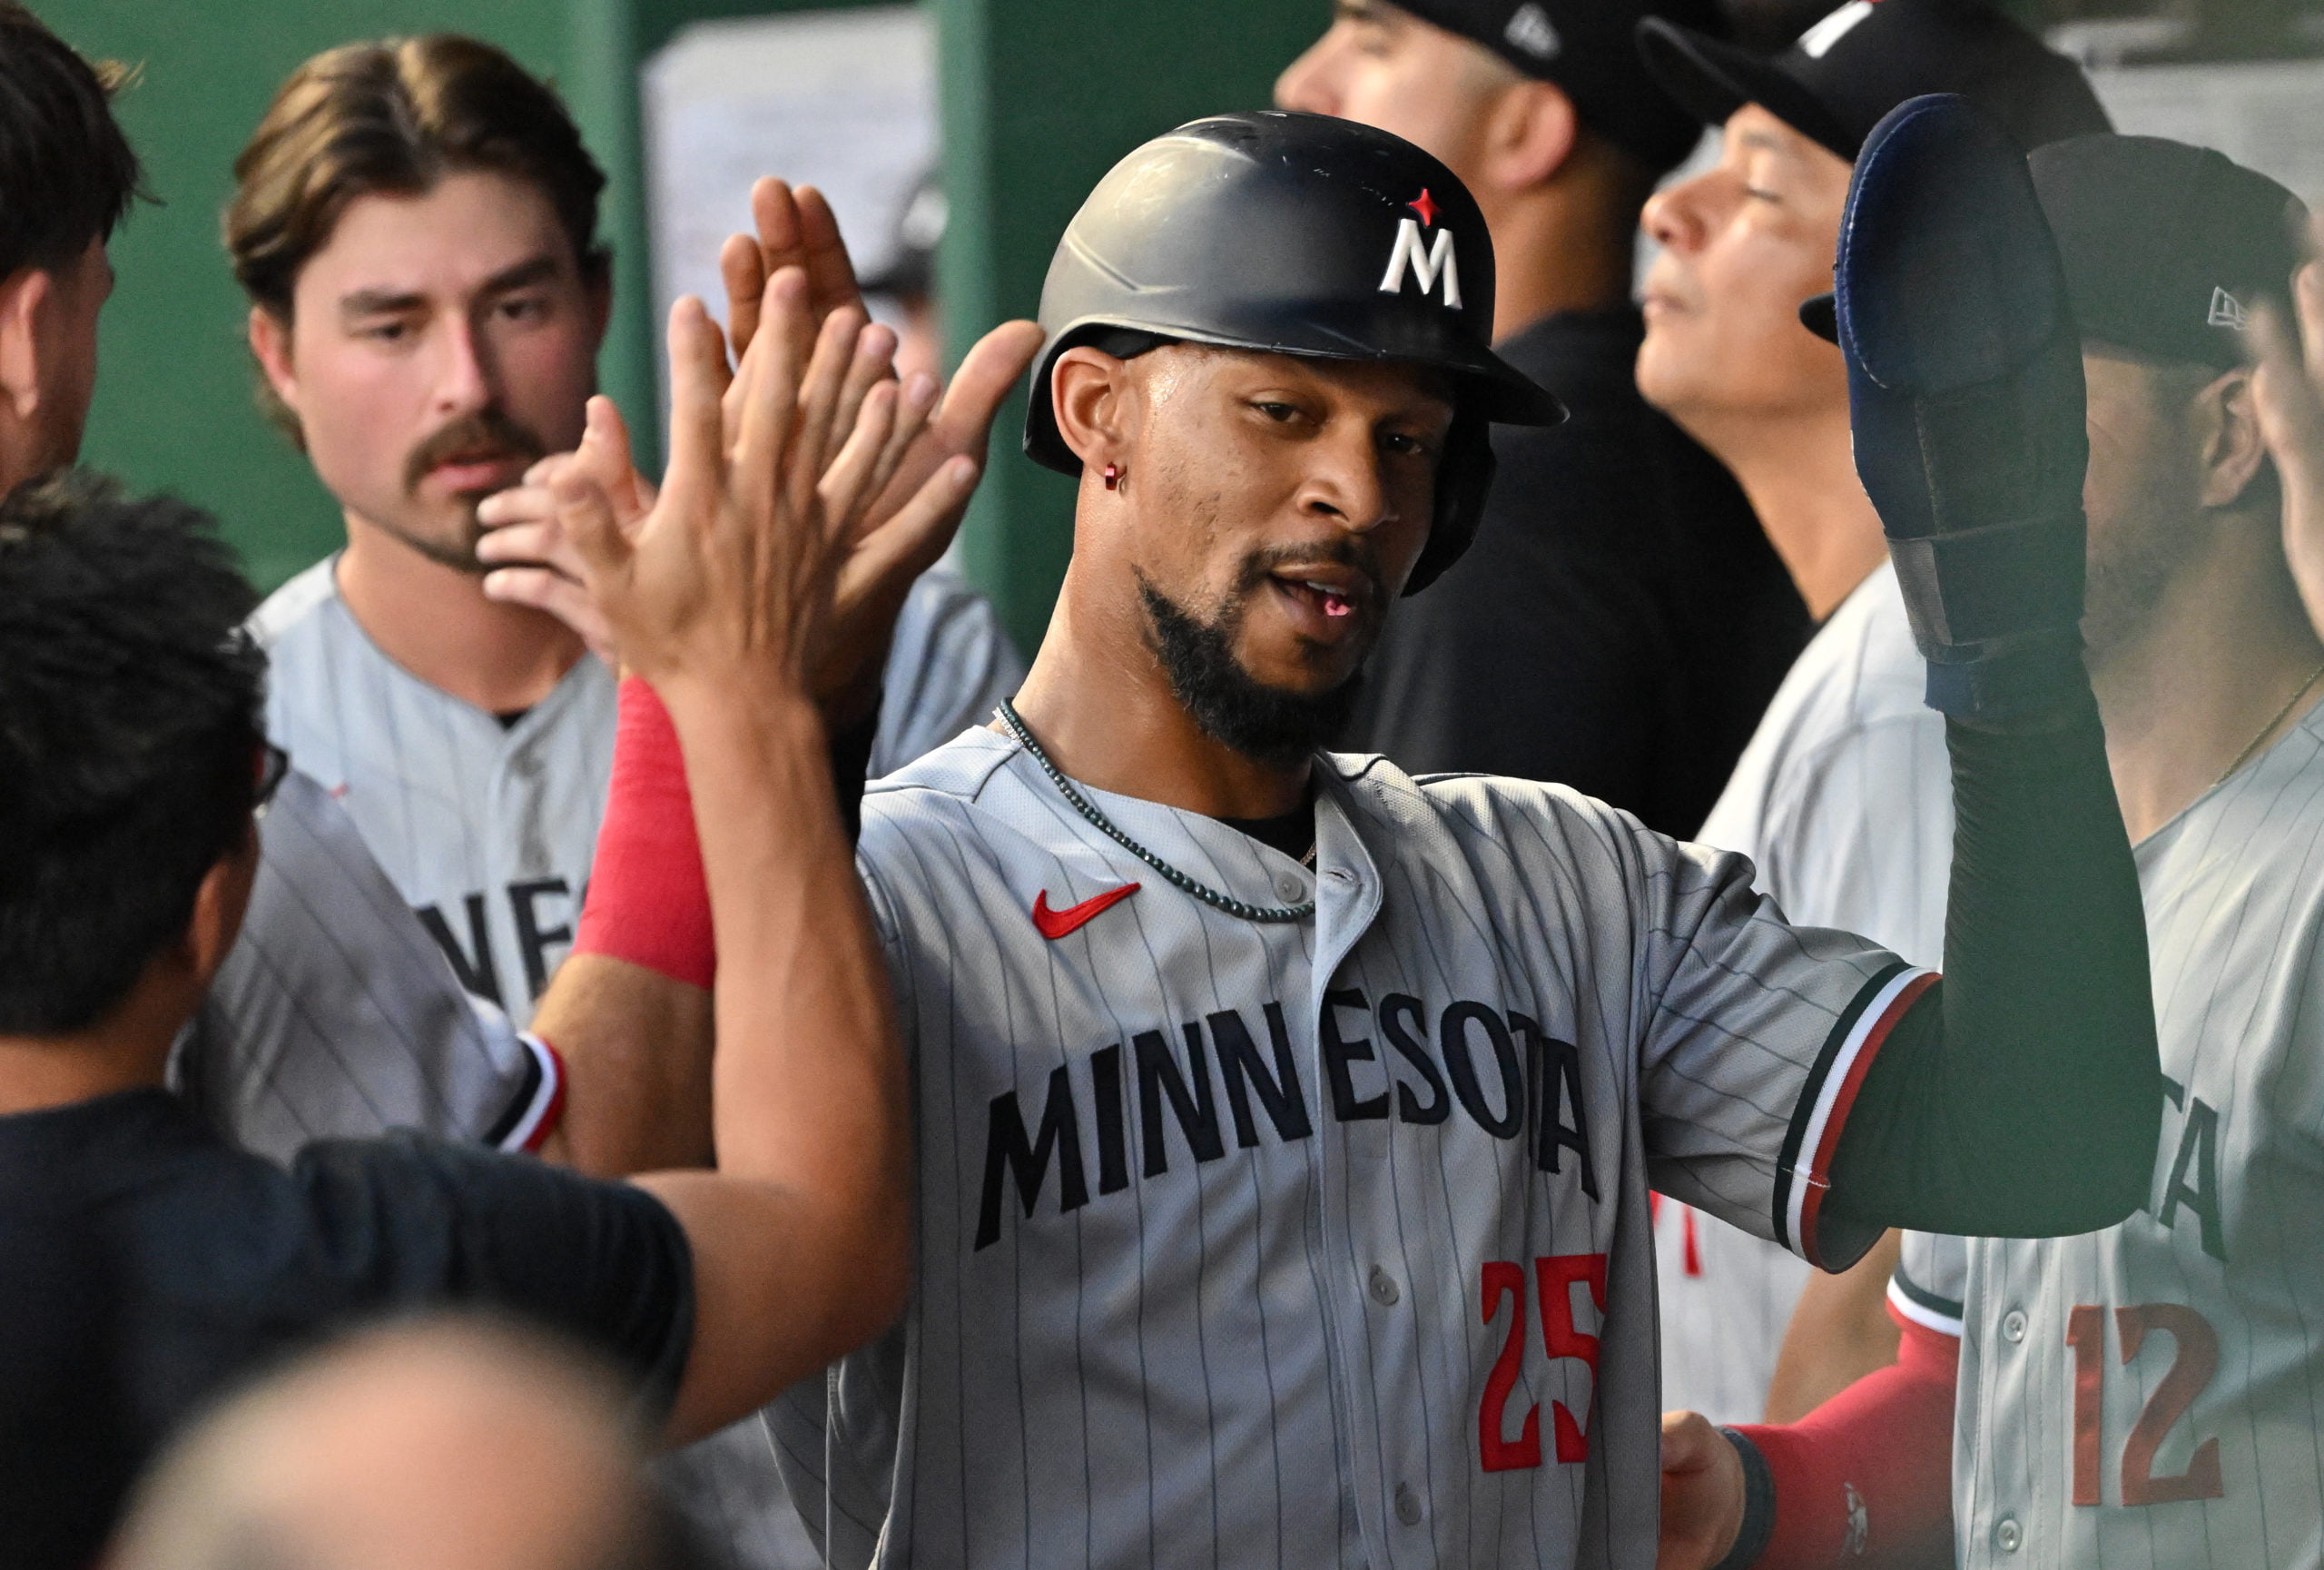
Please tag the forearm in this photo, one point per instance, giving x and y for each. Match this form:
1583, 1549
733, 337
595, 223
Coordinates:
808, 1083
637, 1049
1884, 1443
1840, 1332
2021, 1097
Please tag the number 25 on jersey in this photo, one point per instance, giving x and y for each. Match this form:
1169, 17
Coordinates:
1555, 1277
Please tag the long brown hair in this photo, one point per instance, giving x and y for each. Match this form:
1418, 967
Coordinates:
397, 116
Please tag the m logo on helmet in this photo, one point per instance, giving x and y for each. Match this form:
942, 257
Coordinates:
1426, 262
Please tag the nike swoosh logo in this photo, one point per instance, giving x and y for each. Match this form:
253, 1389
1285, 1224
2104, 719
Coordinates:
1055, 924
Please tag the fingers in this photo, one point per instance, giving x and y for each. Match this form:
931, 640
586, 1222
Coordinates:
560, 597
987, 375
2307, 298
915, 402
817, 433
907, 544
698, 383
539, 541
601, 551
605, 457
830, 272
874, 362
767, 392
742, 270
845, 483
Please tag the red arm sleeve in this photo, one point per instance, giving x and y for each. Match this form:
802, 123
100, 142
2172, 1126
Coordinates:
649, 901
1870, 1471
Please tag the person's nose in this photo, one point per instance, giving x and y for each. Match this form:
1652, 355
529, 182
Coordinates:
1305, 83
1347, 480
464, 380
1674, 218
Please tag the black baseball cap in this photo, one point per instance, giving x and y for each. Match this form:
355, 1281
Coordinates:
2166, 248
1588, 49
1843, 74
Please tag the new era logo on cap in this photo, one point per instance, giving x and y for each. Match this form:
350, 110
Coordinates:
2227, 311
1530, 30
1818, 41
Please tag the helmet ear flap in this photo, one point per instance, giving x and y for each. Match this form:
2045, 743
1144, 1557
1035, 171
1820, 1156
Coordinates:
1463, 476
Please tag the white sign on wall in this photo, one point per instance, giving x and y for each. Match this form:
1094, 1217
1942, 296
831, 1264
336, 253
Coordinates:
842, 100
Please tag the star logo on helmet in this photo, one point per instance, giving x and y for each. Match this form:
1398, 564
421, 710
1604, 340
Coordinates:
1426, 208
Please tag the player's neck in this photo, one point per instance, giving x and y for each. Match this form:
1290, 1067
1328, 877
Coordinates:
1799, 474
1112, 723
435, 622
129, 1050
2185, 693
1559, 251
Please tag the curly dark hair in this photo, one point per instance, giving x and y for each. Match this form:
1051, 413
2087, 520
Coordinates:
130, 736
67, 176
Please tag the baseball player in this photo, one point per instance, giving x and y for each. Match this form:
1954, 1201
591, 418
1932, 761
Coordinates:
2141, 1392
426, 336
1725, 355
1622, 621
1287, 1123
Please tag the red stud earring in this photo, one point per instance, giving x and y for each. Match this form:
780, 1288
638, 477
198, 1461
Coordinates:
1113, 477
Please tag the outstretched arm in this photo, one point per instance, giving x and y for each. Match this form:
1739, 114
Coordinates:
2023, 1095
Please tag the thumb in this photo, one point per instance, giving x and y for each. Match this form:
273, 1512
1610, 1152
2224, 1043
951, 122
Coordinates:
586, 516
987, 374
605, 457
1686, 1441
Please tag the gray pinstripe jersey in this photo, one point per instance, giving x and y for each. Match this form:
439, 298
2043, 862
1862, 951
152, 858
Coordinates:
489, 829
1844, 802
2154, 1394
335, 1016
1317, 1243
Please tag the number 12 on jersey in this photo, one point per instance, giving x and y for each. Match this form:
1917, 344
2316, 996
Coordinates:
2191, 1367
1556, 1276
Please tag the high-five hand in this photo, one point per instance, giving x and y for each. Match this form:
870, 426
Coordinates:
731, 573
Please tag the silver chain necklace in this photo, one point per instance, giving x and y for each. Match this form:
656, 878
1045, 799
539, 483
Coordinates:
1104, 825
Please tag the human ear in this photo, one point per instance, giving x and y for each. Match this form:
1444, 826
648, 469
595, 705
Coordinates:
219, 905
1529, 136
1089, 393
269, 337
2232, 449
24, 296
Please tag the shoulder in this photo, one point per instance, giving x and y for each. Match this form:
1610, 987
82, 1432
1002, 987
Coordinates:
1527, 824
296, 604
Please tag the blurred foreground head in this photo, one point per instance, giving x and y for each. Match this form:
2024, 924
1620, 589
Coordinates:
449, 1444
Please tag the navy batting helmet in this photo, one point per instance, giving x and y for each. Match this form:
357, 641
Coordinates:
1295, 235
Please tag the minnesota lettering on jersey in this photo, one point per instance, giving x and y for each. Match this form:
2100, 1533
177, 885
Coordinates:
473, 961
2192, 1183
1494, 1069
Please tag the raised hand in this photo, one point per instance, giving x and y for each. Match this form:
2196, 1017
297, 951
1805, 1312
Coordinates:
2287, 397
795, 229
729, 577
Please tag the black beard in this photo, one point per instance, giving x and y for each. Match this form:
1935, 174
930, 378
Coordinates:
1265, 723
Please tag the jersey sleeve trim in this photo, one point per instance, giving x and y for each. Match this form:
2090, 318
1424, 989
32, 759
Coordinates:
1803, 1174
538, 1105
1912, 1302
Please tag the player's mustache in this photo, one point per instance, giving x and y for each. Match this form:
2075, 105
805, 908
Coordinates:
1287, 559
489, 433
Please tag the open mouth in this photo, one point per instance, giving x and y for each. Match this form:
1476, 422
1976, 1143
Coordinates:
1332, 599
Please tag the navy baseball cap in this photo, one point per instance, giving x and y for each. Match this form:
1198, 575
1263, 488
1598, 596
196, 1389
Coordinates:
1588, 49
2166, 248
1842, 75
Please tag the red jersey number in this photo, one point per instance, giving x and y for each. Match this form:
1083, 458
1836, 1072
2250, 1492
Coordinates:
1555, 1277
2191, 1370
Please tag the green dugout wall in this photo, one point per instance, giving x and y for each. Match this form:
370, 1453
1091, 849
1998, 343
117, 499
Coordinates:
1040, 96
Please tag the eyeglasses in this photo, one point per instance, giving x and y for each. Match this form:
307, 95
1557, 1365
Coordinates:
272, 764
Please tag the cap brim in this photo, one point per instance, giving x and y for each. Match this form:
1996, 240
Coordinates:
1711, 80
1820, 314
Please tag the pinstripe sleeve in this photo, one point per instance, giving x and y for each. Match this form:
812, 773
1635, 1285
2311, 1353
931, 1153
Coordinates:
335, 1016
951, 663
1757, 1036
